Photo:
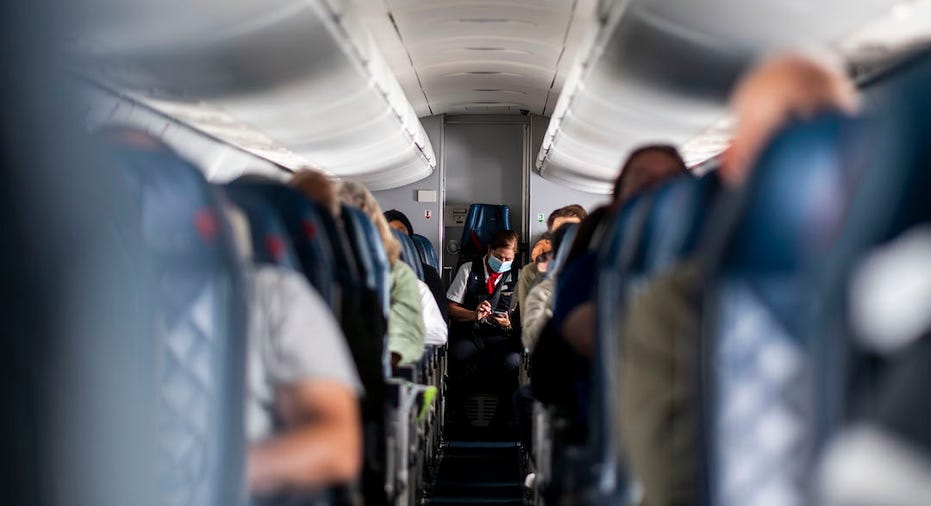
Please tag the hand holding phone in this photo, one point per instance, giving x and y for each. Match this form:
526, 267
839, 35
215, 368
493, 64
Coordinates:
502, 318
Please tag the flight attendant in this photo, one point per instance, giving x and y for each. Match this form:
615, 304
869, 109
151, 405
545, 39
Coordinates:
484, 334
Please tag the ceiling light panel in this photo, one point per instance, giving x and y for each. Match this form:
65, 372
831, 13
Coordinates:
304, 77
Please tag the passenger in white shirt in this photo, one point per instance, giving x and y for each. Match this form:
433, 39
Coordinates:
433, 322
302, 388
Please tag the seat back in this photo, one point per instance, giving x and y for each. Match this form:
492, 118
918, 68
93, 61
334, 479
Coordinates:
271, 243
675, 223
761, 417
889, 206
201, 325
372, 260
482, 222
310, 231
274, 210
427, 252
409, 253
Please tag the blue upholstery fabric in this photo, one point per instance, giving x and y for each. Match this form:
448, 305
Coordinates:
308, 230
200, 328
409, 253
427, 252
482, 222
891, 199
373, 261
270, 241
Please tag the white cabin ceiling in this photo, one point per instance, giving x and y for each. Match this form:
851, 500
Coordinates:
472, 56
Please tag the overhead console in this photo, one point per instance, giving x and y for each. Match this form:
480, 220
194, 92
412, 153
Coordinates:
661, 71
295, 82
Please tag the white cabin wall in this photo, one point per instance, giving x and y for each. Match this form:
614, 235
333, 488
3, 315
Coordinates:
485, 161
546, 195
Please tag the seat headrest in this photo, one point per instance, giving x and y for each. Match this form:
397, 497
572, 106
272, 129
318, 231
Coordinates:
369, 250
796, 197
676, 218
482, 222
409, 253
309, 229
172, 192
271, 243
427, 252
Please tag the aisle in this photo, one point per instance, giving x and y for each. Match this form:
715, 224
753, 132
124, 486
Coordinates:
479, 472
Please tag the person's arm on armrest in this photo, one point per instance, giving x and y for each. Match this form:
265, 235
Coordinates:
321, 443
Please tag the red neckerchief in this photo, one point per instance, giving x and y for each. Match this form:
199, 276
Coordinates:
492, 278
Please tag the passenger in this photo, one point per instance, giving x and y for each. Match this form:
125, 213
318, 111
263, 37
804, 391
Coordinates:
318, 187
560, 376
657, 411
779, 90
530, 274
436, 330
538, 308
535, 271
482, 335
405, 322
646, 168
435, 323
365, 324
398, 221
536, 314
302, 398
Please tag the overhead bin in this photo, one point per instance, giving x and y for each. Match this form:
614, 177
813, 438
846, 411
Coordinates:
293, 81
661, 71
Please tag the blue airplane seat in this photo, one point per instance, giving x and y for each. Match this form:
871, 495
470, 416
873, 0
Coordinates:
374, 271
891, 202
271, 243
201, 321
482, 222
409, 253
370, 253
677, 216
761, 415
311, 233
427, 251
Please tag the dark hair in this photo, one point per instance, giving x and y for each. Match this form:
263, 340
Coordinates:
503, 239
395, 215
583, 238
624, 176
572, 210
559, 234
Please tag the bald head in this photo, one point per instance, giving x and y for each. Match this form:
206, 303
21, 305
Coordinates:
318, 187
775, 92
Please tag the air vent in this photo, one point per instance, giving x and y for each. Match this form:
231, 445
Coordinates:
484, 20
483, 73
484, 48
499, 90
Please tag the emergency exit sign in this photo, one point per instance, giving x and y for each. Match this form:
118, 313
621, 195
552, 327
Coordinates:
539, 217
